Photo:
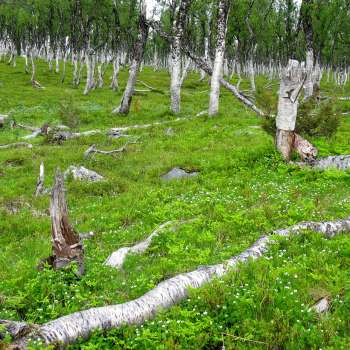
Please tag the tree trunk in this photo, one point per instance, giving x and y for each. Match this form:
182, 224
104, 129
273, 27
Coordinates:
137, 57
291, 83
66, 245
116, 68
219, 58
309, 81
175, 65
90, 71
75, 68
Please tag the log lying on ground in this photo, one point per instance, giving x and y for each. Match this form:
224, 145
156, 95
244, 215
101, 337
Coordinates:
66, 244
93, 150
117, 258
60, 136
68, 329
336, 162
15, 329
146, 126
82, 174
17, 145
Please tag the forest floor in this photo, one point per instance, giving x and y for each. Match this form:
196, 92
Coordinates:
243, 190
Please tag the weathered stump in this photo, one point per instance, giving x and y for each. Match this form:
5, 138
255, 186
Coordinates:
66, 244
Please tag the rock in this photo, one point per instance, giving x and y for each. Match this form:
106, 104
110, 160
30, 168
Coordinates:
169, 132
83, 174
178, 173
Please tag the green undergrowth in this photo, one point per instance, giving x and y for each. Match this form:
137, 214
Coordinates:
243, 190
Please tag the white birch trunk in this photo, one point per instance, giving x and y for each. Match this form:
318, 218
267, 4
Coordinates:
219, 59
116, 68
309, 82
138, 52
291, 82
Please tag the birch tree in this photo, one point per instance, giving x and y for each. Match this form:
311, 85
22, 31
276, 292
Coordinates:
137, 56
219, 57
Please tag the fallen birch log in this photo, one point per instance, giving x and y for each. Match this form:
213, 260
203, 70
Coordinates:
117, 258
68, 329
60, 136
17, 145
146, 126
341, 162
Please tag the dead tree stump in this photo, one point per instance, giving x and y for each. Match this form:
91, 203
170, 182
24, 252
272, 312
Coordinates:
66, 244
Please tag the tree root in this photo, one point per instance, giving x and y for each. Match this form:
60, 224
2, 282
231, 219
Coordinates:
68, 329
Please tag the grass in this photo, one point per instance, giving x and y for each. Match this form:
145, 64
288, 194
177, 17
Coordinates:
243, 191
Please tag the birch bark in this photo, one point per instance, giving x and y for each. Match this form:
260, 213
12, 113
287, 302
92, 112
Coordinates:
219, 58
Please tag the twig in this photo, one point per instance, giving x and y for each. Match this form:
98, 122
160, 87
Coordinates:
246, 339
92, 150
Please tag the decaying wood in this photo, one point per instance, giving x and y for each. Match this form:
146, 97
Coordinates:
15, 329
304, 148
66, 245
83, 174
60, 136
337, 162
117, 258
17, 145
150, 125
40, 183
292, 81
147, 86
93, 150
68, 329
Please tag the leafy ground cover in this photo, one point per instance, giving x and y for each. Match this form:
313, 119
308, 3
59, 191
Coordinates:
243, 191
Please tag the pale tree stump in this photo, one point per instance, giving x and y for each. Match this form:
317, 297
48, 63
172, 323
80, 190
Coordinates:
292, 81
66, 244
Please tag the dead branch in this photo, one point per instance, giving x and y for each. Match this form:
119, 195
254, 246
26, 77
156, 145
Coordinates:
147, 85
117, 258
59, 136
93, 150
17, 145
37, 85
